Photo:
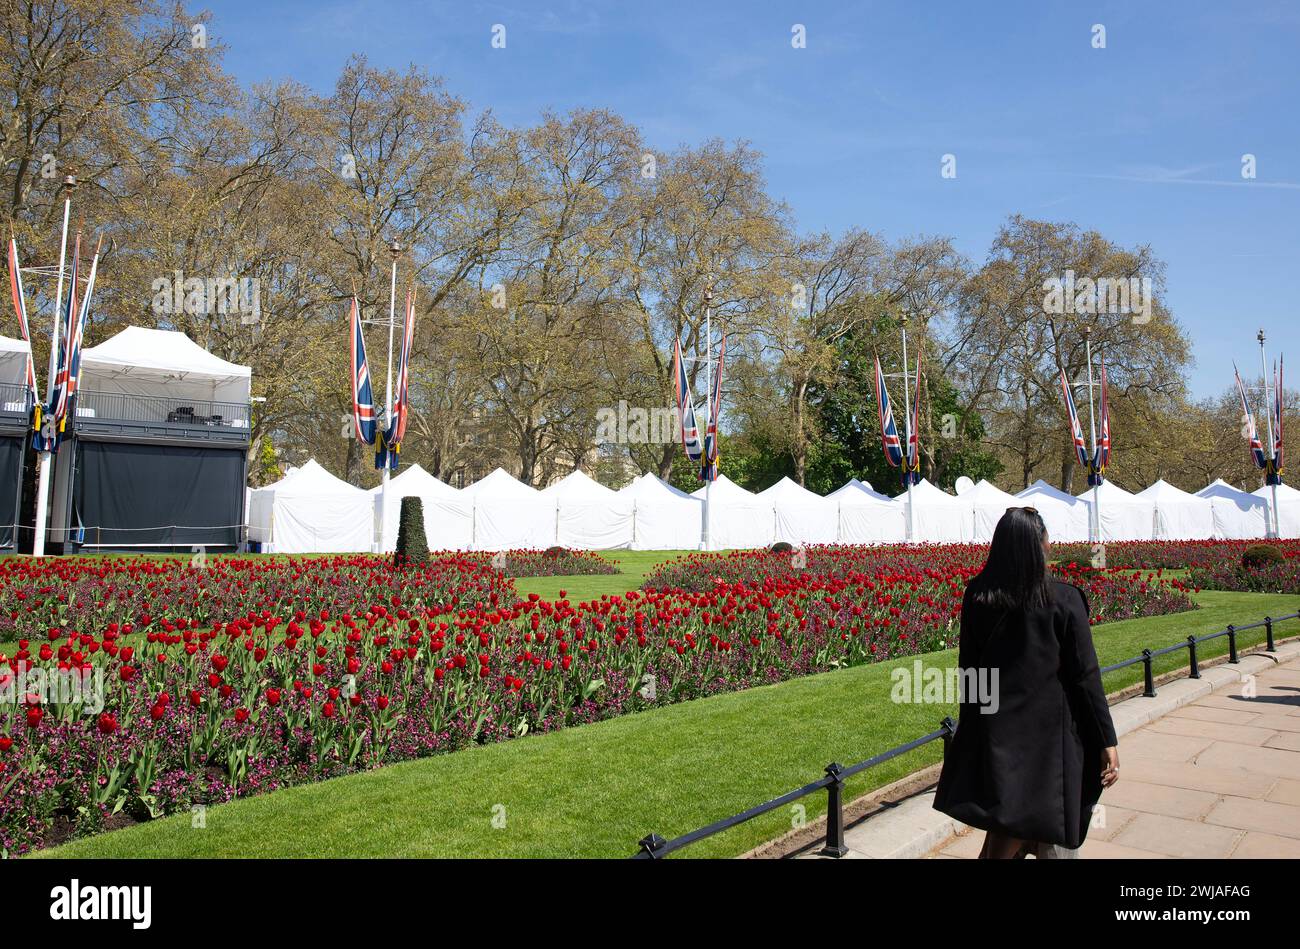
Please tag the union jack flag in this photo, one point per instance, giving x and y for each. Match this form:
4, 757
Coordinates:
888, 429
1248, 424
20, 308
1274, 475
49, 423
391, 444
913, 473
685, 406
709, 467
1076, 430
363, 401
1102, 459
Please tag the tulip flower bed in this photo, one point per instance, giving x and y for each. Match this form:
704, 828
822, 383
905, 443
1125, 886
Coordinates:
250, 675
1171, 554
554, 562
1283, 577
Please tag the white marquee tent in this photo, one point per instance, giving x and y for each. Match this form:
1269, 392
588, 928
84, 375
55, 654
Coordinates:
1288, 505
1065, 516
941, 518
990, 503
448, 518
590, 515
311, 511
802, 517
510, 515
664, 518
1238, 515
167, 366
738, 518
1124, 516
14, 355
1179, 515
867, 516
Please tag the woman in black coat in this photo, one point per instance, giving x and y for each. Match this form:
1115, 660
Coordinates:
1029, 762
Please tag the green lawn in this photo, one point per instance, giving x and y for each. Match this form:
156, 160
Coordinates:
633, 565
594, 791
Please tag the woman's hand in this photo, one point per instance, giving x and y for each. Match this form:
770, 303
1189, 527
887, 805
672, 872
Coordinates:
1109, 766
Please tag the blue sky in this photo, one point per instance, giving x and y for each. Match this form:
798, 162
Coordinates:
1142, 140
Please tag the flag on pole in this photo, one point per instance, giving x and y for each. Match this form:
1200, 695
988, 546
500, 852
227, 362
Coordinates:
49, 421
913, 473
1274, 475
1102, 459
363, 401
76, 336
888, 428
391, 444
709, 467
1248, 424
685, 406
1076, 430
20, 309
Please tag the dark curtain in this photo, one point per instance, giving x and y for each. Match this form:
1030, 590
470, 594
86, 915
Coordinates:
11, 465
129, 494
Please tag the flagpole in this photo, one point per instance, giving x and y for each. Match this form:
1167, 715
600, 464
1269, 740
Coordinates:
1092, 425
907, 439
395, 248
708, 418
1274, 527
45, 459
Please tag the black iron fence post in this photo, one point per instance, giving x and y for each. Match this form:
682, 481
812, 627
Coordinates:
834, 814
1195, 672
1232, 643
650, 845
949, 732
1268, 633
1147, 678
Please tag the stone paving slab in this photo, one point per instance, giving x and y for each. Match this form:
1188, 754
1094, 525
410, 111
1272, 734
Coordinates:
1209, 768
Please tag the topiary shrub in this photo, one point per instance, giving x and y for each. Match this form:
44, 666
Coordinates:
412, 545
1261, 555
553, 552
781, 547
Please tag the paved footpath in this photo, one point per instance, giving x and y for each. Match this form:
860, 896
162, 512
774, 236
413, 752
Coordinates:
1207, 769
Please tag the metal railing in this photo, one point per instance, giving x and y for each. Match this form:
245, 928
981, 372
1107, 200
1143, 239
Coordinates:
14, 398
120, 407
652, 846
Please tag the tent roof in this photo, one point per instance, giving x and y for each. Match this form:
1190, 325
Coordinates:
1284, 491
415, 480
926, 493
1162, 490
578, 486
10, 345
724, 489
311, 480
1041, 489
650, 486
150, 352
859, 492
1110, 491
1221, 489
500, 484
985, 492
787, 490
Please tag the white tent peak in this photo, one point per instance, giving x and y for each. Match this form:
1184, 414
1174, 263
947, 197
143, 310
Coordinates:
415, 480
724, 489
141, 348
499, 484
650, 486
1162, 489
1108, 489
789, 490
855, 491
986, 492
311, 478
577, 485
1043, 489
924, 492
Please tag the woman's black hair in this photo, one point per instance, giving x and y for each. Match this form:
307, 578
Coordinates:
1015, 576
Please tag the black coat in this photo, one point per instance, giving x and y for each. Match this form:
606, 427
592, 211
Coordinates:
1032, 768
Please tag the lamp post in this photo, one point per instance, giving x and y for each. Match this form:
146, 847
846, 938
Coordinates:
45, 459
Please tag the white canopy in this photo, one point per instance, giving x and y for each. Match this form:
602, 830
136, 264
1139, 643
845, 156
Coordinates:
1238, 515
1124, 516
1288, 507
447, 516
1179, 515
941, 518
738, 518
1065, 516
665, 518
14, 354
163, 364
311, 511
509, 515
802, 517
868, 517
590, 515
990, 503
